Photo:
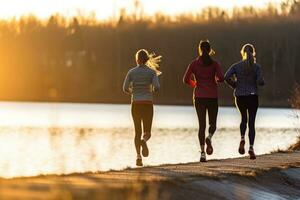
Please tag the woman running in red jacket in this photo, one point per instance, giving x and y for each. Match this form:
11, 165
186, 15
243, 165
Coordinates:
203, 74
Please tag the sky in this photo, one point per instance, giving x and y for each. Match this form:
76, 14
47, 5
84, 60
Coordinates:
105, 9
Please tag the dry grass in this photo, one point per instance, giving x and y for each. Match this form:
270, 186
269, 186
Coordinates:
295, 103
295, 99
295, 147
281, 151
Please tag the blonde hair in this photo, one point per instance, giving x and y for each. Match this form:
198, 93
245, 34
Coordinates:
248, 55
149, 59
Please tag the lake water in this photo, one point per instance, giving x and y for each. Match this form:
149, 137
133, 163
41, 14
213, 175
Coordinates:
62, 138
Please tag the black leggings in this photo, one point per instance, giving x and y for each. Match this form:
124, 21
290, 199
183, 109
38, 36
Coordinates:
247, 106
211, 106
141, 114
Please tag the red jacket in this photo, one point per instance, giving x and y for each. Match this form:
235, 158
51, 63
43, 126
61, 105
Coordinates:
206, 77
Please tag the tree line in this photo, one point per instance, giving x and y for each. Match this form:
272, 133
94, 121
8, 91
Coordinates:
85, 60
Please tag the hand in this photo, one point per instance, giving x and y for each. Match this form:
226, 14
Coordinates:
193, 83
234, 85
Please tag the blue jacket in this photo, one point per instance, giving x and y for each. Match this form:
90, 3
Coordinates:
243, 83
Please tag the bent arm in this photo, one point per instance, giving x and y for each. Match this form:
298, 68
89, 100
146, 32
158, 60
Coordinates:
155, 83
229, 77
219, 74
126, 84
187, 78
259, 77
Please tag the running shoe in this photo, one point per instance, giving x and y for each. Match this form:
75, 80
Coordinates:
252, 154
203, 157
139, 162
242, 147
145, 150
209, 148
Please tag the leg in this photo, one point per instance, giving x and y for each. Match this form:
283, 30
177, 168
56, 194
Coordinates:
240, 104
212, 115
201, 113
147, 117
137, 120
212, 108
252, 110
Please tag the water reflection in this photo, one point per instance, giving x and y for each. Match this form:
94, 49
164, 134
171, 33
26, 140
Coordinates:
33, 151
105, 115
43, 138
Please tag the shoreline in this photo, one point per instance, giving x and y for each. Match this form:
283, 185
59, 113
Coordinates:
187, 104
275, 175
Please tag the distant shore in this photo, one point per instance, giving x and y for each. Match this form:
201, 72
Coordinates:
275, 175
227, 103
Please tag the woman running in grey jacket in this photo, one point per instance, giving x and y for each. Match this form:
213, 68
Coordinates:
140, 82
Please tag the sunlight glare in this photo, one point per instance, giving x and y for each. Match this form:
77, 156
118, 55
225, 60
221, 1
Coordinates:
107, 9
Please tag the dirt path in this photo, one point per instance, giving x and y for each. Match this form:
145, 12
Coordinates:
269, 176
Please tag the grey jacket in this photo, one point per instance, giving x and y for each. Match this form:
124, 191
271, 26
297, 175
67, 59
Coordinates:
141, 81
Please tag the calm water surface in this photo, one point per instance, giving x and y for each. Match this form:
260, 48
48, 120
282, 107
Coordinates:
43, 138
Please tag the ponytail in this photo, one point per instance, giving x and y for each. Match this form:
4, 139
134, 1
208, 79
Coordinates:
153, 62
150, 60
205, 52
248, 55
206, 58
249, 60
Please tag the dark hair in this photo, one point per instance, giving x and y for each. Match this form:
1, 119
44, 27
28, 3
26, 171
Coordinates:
142, 55
205, 51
